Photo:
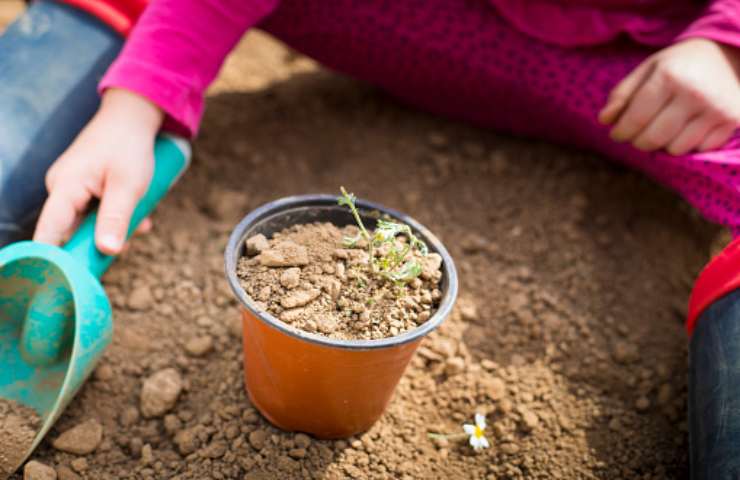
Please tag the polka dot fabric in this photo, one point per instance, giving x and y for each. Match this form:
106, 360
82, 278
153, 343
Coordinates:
459, 58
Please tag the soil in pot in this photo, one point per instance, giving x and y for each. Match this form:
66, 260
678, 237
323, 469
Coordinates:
18, 427
309, 278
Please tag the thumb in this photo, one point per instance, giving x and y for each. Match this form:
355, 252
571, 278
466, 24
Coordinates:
120, 196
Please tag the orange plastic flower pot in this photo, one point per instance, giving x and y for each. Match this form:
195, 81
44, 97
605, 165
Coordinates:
307, 382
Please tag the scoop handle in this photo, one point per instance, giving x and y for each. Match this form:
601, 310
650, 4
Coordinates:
171, 159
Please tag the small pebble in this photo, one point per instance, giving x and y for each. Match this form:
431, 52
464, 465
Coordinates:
140, 298
38, 471
300, 298
302, 440
129, 416
469, 311
79, 465
147, 457
199, 346
494, 388
326, 324
159, 392
284, 254
258, 439
81, 439
256, 244
66, 473
625, 352
297, 453
529, 419
291, 277
104, 373
510, 448
642, 404
172, 424
454, 365
187, 441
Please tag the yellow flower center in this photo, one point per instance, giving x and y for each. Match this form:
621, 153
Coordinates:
478, 432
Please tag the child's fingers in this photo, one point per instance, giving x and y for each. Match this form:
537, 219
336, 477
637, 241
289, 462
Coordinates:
612, 110
620, 95
60, 213
666, 125
120, 195
650, 98
691, 136
145, 226
717, 137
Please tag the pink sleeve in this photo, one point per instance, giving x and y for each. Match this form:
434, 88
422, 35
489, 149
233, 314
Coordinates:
176, 50
719, 22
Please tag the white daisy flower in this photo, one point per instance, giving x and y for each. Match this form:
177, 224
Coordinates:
477, 439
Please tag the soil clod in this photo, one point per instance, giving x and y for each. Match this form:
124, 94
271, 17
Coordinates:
159, 392
256, 244
18, 427
38, 471
81, 439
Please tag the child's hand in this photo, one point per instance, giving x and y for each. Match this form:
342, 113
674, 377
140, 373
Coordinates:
111, 159
685, 97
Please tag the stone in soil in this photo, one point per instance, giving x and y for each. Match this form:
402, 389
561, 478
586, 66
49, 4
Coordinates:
529, 419
625, 352
38, 471
141, 298
66, 473
300, 298
258, 439
256, 244
81, 439
159, 392
291, 277
199, 346
307, 278
187, 441
494, 388
18, 427
284, 254
79, 465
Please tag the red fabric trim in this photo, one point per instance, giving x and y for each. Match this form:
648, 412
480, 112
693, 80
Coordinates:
120, 15
720, 277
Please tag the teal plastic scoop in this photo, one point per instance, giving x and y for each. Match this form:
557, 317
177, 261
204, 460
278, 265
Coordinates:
55, 318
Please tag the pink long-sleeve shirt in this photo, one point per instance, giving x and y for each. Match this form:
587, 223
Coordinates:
177, 47
538, 68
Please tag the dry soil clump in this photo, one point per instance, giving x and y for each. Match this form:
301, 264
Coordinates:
18, 427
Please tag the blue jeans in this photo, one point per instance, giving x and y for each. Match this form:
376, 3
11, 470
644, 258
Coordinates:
714, 391
51, 59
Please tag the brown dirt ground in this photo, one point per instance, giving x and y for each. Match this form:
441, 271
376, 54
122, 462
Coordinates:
574, 280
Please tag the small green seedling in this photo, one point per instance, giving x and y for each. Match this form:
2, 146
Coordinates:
392, 264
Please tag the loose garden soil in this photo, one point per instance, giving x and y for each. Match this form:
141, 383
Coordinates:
18, 427
309, 279
568, 334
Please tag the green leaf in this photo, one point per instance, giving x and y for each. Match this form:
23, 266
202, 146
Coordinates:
421, 246
386, 231
409, 271
350, 242
347, 199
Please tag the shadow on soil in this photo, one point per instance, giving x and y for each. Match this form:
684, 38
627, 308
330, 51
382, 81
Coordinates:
603, 257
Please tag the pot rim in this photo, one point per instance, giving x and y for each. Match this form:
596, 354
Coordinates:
234, 251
